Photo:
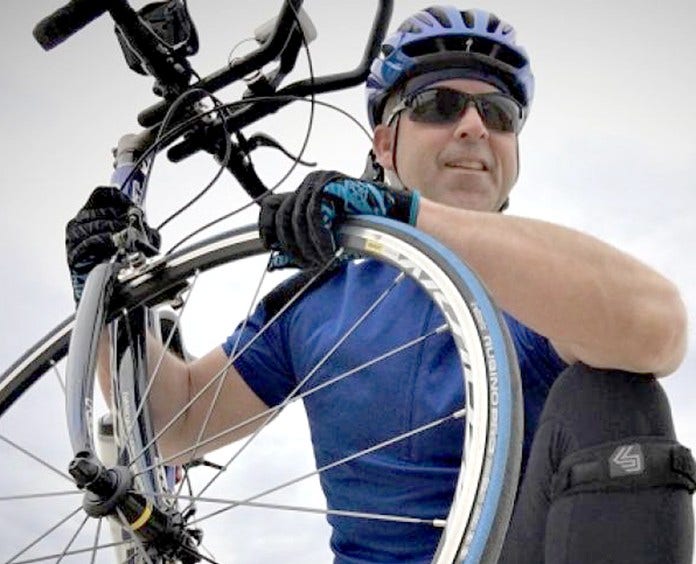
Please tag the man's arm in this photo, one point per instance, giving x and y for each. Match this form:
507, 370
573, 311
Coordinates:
177, 382
593, 302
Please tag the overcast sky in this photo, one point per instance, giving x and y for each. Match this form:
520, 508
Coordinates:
609, 148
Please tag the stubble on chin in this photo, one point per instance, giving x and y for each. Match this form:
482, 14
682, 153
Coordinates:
472, 194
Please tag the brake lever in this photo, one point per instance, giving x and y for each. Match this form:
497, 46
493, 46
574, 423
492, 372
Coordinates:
263, 140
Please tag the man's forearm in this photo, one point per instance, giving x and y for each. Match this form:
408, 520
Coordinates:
594, 302
170, 388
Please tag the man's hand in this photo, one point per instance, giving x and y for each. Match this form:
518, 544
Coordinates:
89, 236
300, 224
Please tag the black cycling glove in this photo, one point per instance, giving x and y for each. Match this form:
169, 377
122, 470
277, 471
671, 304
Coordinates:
300, 224
89, 236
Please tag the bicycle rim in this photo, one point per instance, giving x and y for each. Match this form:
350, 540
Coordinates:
475, 526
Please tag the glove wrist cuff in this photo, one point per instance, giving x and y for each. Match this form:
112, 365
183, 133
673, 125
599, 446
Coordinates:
406, 206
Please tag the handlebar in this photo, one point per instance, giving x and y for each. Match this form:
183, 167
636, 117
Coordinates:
66, 21
172, 73
268, 52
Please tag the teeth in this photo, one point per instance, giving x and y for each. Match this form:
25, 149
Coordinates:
472, 165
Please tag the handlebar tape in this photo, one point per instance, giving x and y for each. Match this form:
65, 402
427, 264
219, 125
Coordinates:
64, 22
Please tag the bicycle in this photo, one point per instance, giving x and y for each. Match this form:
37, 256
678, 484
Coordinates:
133, 489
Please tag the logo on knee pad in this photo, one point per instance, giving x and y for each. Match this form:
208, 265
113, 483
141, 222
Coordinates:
651, 462
626, 460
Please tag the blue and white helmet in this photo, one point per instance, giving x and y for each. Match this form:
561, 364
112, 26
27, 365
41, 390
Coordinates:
442, 42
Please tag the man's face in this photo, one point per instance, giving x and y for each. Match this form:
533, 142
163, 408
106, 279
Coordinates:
461, 164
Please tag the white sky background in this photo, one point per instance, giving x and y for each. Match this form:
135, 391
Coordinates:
609, 148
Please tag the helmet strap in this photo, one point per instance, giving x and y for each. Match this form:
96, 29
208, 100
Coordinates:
394, 148
506, 203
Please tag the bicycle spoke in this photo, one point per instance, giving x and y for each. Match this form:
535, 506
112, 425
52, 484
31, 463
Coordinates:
44, 535
71, 552
138, 542
39, 460
200, 556
96, 540
54, 366
210, 554
39, 495
277, 409
383, 356
435, 522
305, 394
223, 372
72, 540
218, 390
459, 414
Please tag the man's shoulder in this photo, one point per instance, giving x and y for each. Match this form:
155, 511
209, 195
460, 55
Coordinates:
285, 292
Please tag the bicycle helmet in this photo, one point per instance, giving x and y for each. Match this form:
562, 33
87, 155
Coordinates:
442, 42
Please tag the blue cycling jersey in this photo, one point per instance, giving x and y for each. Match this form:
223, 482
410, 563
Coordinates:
415, 476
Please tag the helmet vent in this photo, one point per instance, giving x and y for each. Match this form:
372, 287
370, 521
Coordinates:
420, 48
409, 26
440, 15
493, 23
387, 49
468, 18
424, 19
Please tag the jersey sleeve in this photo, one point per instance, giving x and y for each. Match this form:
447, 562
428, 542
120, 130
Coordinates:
261, 356
534, 348
264, 355
539, 365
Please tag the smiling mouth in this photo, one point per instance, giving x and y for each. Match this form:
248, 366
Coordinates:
467, 165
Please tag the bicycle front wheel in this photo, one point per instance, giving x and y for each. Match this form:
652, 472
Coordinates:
491, 417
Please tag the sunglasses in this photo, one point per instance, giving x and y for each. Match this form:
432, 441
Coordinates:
444, 106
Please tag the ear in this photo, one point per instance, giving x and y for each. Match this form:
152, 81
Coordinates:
382, 144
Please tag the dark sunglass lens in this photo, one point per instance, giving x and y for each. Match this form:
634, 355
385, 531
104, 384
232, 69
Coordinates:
437, 106
500, 113
444, 106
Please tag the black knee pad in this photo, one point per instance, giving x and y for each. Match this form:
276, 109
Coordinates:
607, 480
588, 407
627, 465
599, 406
618, 434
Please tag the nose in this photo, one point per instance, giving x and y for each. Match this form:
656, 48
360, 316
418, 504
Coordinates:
470, 125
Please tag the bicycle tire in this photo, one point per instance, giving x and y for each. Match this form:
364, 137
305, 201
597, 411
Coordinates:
485, 493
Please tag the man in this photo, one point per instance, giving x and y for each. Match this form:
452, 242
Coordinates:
447, 99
